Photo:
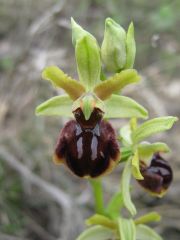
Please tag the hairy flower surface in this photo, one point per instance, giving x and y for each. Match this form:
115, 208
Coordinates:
88, 147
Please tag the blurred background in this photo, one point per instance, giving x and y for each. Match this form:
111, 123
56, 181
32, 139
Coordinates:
39, 201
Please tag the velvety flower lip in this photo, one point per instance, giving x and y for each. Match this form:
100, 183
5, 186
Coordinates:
157, 176
88, 147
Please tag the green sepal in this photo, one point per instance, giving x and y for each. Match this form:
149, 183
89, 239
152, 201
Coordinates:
78, 32
127, 229
113, 49
88, 61
147, 218
114, 206
102, 220
151, 127
59, 79
135, 166
130, 47
146, 150
59, 106
115, 83
146, 233
125, 188
87, 103
123, 107
97, 232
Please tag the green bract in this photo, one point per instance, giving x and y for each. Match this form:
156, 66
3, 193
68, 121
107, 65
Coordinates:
118, 48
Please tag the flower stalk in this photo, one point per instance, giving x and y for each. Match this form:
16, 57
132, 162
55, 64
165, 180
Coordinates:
97, 190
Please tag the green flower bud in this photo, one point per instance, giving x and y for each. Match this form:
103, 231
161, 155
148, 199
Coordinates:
118, 48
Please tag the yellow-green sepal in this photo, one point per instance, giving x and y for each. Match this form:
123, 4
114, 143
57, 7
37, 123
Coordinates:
88, 61
123, 107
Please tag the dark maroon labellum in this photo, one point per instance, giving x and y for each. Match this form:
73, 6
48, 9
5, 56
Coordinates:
88, 147
157, 176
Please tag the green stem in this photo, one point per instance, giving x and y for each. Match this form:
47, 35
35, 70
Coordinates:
96, 185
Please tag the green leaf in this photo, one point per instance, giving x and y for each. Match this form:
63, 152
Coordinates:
59, 105
125, 188
146, 233
96, 232
153, 126
150, 217
123, 107
127, 229
146, 150
135, 166
125, 134
59, 79
98, 219
115, 83
88, 61
115, 204
130, 47
113, 50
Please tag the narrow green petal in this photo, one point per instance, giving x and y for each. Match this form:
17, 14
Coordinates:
59, 79
123, 107
59, 106
115, 83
